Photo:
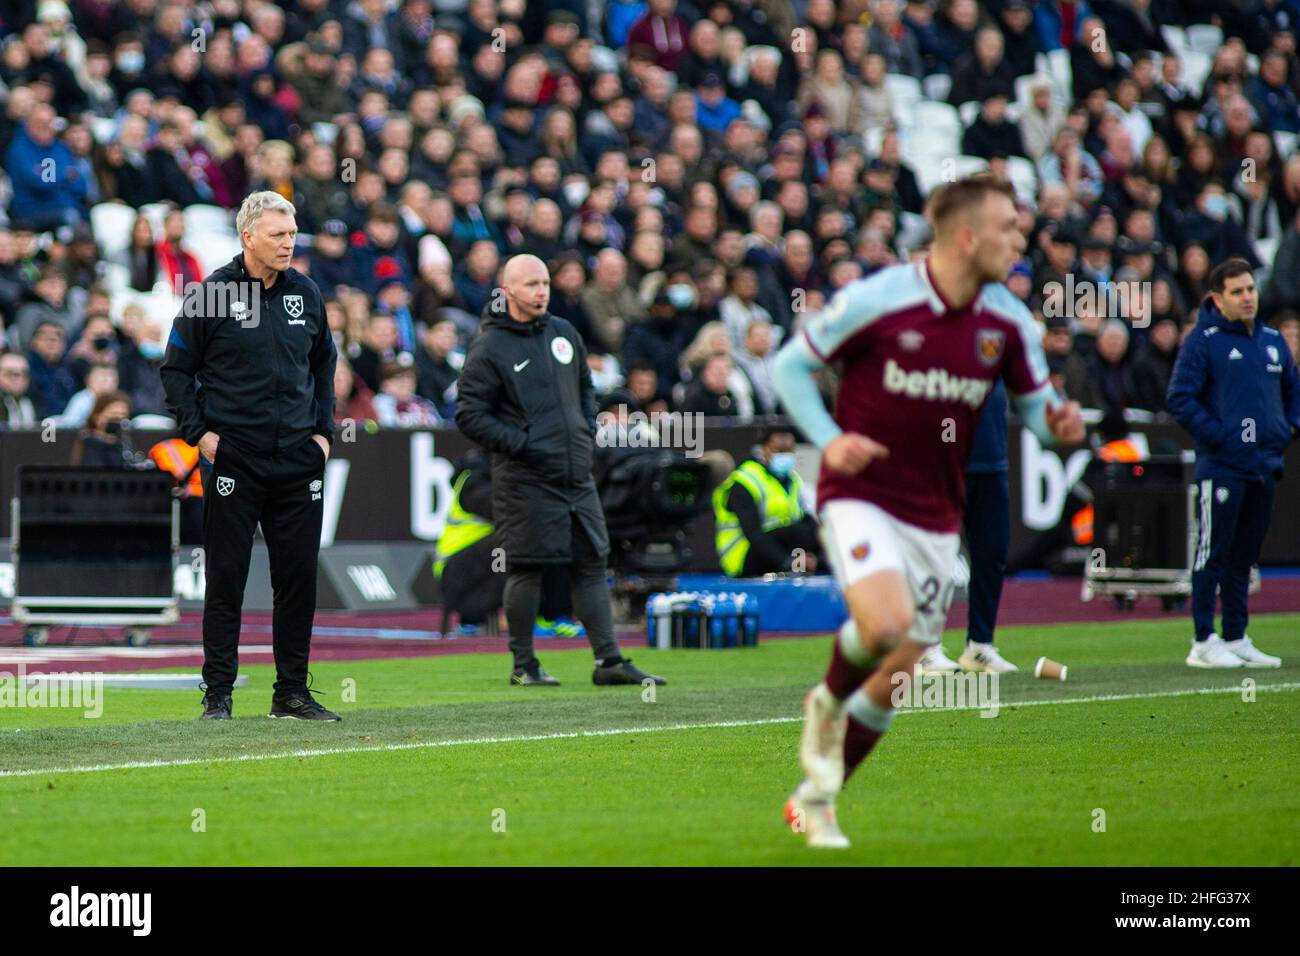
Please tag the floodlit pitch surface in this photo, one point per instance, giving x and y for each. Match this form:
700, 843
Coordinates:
1136, 760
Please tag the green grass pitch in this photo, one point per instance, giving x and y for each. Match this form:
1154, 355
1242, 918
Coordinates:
439, 761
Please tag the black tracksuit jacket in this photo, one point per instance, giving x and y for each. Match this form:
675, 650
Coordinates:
265, 382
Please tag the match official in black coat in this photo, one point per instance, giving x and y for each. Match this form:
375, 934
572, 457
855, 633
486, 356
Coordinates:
525, 395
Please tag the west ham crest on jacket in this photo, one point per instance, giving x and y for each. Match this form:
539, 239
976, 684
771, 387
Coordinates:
293, 305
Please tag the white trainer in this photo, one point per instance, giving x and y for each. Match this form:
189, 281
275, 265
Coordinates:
814, 816
1213, 653
985, 657
821, 747
935, 661
1251, 655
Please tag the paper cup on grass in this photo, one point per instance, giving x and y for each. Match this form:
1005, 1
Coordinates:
1049, 670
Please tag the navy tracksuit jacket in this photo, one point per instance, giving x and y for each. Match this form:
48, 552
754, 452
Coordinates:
1238, 394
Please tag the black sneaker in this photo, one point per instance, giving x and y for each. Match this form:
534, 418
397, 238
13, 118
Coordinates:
538, 678
300, 705
624, 673
216, 706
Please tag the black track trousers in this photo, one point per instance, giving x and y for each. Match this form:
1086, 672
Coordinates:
285, 492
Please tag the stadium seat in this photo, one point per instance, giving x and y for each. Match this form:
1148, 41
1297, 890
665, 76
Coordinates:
873, 139
912, 230
155, 212
1175, 37
116, 278
1196, 67
968, 112
938, 116
1204, 38
1266, 249
904, 93
937, 170
1024, 178
1058, 65
111, 223
1285, 144
1024, 97
937, 86
215, 250
202, 220
923, 143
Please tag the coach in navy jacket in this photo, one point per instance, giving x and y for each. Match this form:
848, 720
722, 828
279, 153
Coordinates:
1236, 389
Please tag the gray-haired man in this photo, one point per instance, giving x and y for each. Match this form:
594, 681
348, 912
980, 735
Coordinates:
249, 375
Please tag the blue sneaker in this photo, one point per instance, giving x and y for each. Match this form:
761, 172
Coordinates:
465, 630
567, 627
544, 628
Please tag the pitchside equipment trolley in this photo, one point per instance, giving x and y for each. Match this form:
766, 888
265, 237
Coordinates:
94, 547
1146, 524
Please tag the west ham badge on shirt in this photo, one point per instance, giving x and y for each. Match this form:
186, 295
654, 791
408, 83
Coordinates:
989, 344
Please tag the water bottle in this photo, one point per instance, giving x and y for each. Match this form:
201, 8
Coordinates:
717, 622
687, 617
749, 620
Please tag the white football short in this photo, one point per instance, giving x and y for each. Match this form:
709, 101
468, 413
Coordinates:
861, 538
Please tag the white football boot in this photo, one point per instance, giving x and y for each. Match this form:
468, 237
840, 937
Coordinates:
813, 815
985, 657
1213, 653
821, 748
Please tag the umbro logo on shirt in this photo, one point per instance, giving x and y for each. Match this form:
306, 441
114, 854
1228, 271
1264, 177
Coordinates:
1234, 354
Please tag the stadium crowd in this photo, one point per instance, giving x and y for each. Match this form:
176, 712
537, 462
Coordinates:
696, 176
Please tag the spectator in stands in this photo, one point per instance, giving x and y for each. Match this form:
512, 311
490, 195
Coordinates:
1154, 365
756, 358
101, 379
180, 269
1070, 164
889, 37
100, 444
52, 383
658, 343
1211, 225
840, 97
332, 264
1274, 98
353, 399
661, 32
984, 71
438, 363
1111, 385
710, 393
1059, 22
48, 303
397, 404
96, 344
49, 188
379, 347
1194, 274
993, 134
16, 407
1041, 120
609, 301
378, 255
1288, 323
643, 383
139, 358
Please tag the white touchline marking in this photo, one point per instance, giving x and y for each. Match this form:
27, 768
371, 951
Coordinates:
611, 732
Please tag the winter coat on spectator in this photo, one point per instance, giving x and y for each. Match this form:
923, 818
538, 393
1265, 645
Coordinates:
38, 195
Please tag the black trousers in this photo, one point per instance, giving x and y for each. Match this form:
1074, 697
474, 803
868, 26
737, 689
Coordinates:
987, 523
285, 493
801, 535
590, 596
470, 588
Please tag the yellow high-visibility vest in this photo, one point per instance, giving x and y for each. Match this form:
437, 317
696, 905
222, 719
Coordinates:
462, 529
777, 508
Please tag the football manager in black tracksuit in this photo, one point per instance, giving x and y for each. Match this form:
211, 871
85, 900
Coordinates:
249, 376
525, 395
1235, 388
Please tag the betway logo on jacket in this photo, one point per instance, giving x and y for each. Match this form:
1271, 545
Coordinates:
935, 385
